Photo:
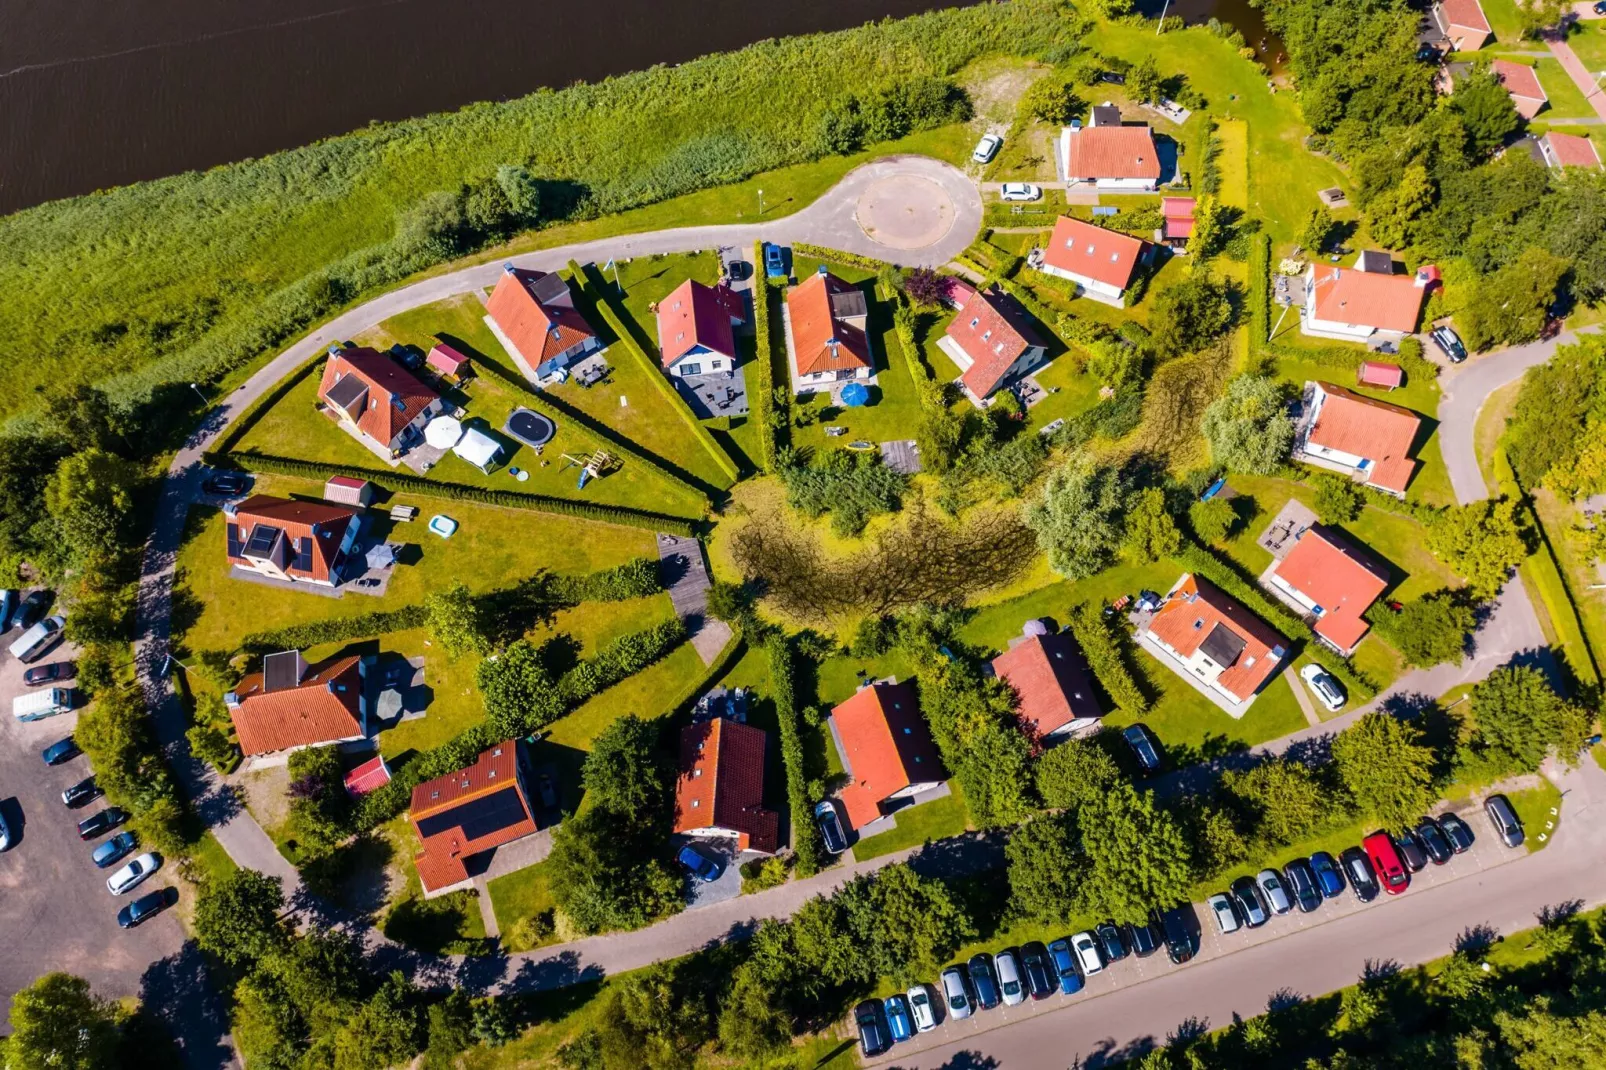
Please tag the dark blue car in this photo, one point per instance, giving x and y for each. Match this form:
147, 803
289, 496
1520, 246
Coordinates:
699, 865
983, 981
63, 750
774, 262
1328, 877
1065, 966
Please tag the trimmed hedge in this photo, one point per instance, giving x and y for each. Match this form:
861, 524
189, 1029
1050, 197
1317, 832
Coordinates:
248, 419
558, 409
334, 630
624, 657
761, 395
597, 291
248, 460
838, 256
1259, 299
1100, 645
805, 837
636, 578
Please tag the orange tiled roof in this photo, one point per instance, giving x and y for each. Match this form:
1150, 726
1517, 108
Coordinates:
1093, 252
1112, 152
721, 783
994, 331
1195, 609
540, 332
1367, 298
468, 812
823, 342
322, 524
1519, 79
693, 315
887, 748
1467, 14
1336, 576
394, 398
1357, 425
321, 708
1048, 674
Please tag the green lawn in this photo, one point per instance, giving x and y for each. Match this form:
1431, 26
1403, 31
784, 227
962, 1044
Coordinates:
1558, 518
1534, 806
1588, 40
935, 820
519, 895
1504, 21
448, 924
1566, 99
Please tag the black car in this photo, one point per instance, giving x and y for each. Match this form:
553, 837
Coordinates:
1108, 935
1458, 832
1250, 906
142, 909
1142, 939
1302, 882
101, 823
1041, 980
1144, 747
1178, 927
226, 484
983, 981
1411, 852
63, 750
1434, 841
86, 790
32, 609
1362, 877
872, 1032
49, 674
830, 826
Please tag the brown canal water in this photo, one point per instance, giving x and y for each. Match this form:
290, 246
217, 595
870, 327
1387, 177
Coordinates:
98, 93
1239, 14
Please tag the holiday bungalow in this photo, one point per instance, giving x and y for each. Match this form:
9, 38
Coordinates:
1368, 440
1203, 635
1559, 151
1108, 155
461, 817
293, 541
532, 314
886, 750
991, 340
1101, 262
290, 704
825, 332
1050, 677
694, 328
377, 399
1522, 82
719, 791
1462, 23
1353, 304
1332, 582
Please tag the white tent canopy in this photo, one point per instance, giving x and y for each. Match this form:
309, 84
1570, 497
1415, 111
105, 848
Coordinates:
443, 432
478, 449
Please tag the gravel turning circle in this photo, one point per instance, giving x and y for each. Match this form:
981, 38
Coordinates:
905, 212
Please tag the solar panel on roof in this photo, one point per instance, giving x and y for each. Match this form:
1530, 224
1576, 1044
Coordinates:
263, 539
478, 817
303, 559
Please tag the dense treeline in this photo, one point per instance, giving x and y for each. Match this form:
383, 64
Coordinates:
179, 279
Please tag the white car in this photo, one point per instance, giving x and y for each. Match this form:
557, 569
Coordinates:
1225, 913
1322, 684
920, 1009
1009, 978
133, 874
987, 148
1087, 953
1020, 191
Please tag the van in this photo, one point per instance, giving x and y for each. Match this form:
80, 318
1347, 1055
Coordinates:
1504, 820
1391, 872
41, 704
37, 641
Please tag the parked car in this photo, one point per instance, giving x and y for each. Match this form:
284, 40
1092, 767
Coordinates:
133, 875
1144, 940
8, 608
1110, 942
101, 823
1144, 746
49, 674
1273, 891
1088, 956
1362, 877
699, 865
5, 834
1179, 929
1247, 895
1600, 7
774, 261
1020, 191
114, 850
1411, 851
983, 981
1433, 841
226, 484
1386, 862
32, 609
825, 816
39, 639
1458, 832
1035, 966
1224, 912
1010, 983
63, 750
1328, 876
85, 791
1324, 687
1449, 344
142, 909
987, 148
1064, 962
956, 992
896, 1011
920, 1009
547, 790
1302, 883
872, 1033
1504, 819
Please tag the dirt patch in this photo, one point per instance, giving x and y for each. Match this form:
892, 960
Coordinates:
995, 88
267, 794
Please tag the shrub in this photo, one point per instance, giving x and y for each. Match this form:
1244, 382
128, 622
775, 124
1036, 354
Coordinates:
805, 837
1430, 630
636, 578
1338, 499
1212, 521
1104, 647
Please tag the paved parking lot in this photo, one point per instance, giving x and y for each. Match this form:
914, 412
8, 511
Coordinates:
1486, 853
55, 912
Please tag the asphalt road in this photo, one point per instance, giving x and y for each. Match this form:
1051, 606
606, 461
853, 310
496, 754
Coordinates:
1292, 958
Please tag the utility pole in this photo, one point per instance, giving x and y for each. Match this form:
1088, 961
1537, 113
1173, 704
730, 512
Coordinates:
197, 388
761, 192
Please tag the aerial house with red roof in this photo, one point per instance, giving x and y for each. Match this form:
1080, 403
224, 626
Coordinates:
290, 704
294, 541
1051, 679
1353, 304
719, 790
825, 332
1360, 437
1109, 155
886, 750
377, 400
1522, 84
1463, 24
532, 314
1558, 151
991, 340
1203, 635
1332, 581
1101, 262
694, 328
462, 817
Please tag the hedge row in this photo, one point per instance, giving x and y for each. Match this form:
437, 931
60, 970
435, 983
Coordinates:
335, 630
636, 578
839, 256
622, 658
558, 409
805, 837
250, 460
1259, 299
1202, 562
598, 292
761, 395
248, 419
1099, 646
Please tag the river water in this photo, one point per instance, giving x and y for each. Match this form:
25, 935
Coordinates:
98, 93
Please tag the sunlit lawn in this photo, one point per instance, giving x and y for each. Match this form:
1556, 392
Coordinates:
1588, 40
939, 819
1566, 100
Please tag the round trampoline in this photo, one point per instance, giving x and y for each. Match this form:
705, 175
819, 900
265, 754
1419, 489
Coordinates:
530, 428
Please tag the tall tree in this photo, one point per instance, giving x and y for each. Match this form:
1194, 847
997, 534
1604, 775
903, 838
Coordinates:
1077, 516
1137, 856
91, 498
237, 916
1485, 109
1074, 774
1482, 542
455, 621
1042, 881
626, 773
1151, 533
1383, 763
58, 1024
1248, 428
1518, 713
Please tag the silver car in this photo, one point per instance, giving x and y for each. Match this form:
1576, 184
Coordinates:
920, 1009
1225, 913
1274, 891
956, 992
1009, 981
133, 875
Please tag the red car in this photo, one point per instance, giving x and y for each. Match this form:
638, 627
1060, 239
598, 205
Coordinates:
1391, 872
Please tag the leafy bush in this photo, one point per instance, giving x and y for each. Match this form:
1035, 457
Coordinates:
768, 412
1107, 651
851, 486
1338, 499
805, 837
1249, 429
636, 578
1429, 630
1212, 521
